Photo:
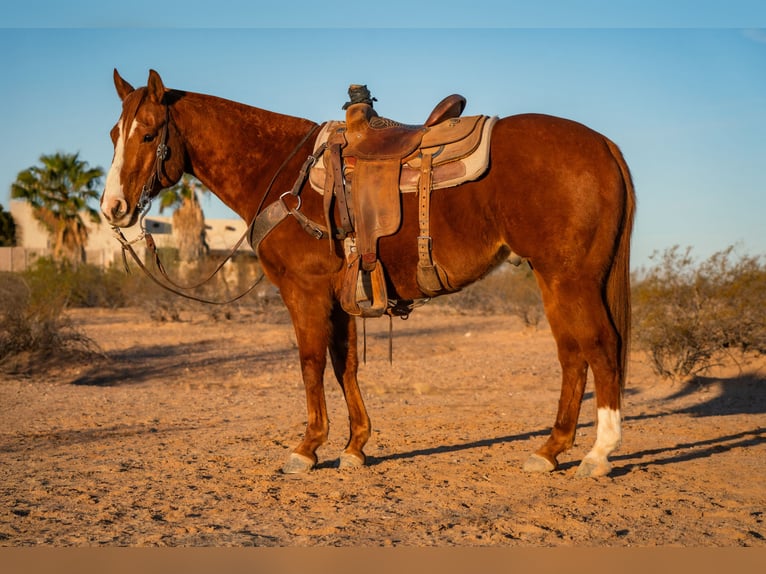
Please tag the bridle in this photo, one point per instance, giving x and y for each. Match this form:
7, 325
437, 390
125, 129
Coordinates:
144, 202
264, 221
160, 155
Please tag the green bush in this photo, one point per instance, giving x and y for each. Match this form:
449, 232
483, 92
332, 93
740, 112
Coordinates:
688, 315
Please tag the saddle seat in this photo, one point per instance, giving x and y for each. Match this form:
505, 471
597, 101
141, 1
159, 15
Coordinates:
369, 136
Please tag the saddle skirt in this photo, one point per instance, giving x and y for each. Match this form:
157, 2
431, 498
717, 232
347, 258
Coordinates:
459, 148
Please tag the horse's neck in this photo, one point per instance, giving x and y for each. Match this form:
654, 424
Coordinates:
235, 150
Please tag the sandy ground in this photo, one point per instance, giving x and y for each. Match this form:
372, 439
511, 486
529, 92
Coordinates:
178, 437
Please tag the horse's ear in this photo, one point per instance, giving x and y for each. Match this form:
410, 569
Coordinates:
156, 87
123, 87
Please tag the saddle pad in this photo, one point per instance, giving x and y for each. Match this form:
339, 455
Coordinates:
471, 163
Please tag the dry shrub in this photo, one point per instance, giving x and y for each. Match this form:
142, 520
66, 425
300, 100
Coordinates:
35, 333
687, 316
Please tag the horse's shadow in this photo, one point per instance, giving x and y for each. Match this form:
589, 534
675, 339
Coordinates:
742, 395
447, 449
142, 364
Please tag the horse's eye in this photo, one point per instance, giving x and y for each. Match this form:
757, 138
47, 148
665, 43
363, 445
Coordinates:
148, 137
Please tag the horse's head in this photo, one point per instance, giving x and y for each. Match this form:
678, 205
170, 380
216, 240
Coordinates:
149, 154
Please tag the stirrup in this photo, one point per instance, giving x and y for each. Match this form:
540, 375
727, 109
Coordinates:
363, 291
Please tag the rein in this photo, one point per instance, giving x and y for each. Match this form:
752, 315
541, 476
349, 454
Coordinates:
262, 224
126, 246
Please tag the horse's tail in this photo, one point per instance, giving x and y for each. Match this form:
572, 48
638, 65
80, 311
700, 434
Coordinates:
618, 280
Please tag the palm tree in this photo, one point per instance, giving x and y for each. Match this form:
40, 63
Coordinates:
188, 219
59, 191
7, 229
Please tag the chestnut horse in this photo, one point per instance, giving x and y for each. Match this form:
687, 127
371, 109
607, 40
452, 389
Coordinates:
557, 193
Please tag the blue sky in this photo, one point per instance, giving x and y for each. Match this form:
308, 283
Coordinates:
680, 86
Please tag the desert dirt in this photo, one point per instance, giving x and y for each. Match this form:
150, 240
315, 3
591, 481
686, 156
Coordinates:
177, 437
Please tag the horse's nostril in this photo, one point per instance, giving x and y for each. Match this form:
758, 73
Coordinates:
119, 208
115, 209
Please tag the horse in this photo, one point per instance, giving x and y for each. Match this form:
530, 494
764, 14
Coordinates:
556, 193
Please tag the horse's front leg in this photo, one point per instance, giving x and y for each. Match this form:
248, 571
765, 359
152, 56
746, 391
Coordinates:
345, 361
311, 320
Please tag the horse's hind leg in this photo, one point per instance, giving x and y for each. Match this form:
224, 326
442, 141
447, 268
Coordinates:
345, 362
601, 349
574, 372
585, 337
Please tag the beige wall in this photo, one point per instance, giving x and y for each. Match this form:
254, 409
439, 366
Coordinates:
102, 248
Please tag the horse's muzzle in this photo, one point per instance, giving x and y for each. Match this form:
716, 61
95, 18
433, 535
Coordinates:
115, 209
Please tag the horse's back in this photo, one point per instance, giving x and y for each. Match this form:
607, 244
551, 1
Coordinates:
537, 146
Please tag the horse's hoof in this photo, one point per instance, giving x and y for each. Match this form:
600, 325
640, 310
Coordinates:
348, 460
537, 463
297, 464
592, 468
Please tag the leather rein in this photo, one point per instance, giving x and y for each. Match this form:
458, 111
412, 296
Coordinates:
261, 225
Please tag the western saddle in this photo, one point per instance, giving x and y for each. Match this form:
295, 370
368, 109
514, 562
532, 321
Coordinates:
367, 163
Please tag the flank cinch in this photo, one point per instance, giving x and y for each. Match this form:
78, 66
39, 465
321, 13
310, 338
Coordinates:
367, 163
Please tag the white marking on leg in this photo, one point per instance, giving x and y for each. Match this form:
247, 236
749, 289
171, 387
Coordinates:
608, 433
608, 438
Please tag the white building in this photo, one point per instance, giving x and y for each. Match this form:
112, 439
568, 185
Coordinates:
103, 249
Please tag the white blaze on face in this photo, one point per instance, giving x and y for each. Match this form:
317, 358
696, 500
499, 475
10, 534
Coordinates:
113, 188
113, 203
